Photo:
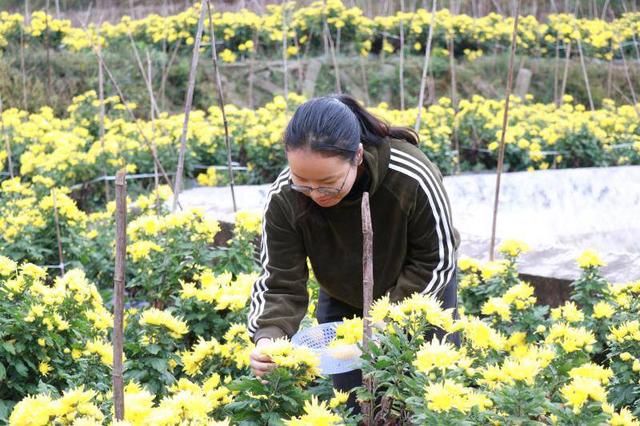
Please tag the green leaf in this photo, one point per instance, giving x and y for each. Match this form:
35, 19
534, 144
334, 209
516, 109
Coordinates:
21, 368
153, 349
159, 364
9, 347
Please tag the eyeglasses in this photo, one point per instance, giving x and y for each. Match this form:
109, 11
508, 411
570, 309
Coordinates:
321, 189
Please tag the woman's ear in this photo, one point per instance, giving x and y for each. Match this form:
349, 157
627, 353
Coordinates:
360, 153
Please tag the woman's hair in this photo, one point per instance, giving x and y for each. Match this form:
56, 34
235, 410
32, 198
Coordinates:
336, 123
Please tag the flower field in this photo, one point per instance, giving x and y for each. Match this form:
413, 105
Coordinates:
356, 32
187, 347
67, 150
189, 278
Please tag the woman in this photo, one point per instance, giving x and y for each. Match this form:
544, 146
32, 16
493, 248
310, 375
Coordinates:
336, 150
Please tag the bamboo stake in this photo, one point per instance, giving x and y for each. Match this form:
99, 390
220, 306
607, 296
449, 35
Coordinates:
165, 73
604, 9
46, 41
497, 6
401, 55
556, 70
27, 12
452, 67
584, 74
367, 288
142, 72
325, 37
118, 294
609, 76
101, 129
365, 84
55, 217
331, 47
214, 58
308, 44
164, 44
565, 73
187, 109
126, 107
504, 131
137, 124
454, 101
628, 76
23, 70
252, 60
7, 145
425, 65
285, 71
164, 28
156, 179
633, 33
300, 83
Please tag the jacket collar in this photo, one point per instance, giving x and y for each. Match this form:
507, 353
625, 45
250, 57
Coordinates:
376, 160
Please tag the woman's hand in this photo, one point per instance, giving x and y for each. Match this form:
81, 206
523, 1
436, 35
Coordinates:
260, 363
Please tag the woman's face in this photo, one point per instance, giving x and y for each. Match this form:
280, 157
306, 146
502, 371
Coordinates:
312, 169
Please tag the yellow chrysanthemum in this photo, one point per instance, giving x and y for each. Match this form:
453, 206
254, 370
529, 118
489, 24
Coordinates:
589, 259
156, 317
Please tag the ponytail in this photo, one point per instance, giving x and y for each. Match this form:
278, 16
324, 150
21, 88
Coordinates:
375, 130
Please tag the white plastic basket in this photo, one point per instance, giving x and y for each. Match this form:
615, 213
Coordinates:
332, 360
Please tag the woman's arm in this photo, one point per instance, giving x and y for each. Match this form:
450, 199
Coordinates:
279, 297
431, 242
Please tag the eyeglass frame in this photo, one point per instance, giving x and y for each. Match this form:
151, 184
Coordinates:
305, 189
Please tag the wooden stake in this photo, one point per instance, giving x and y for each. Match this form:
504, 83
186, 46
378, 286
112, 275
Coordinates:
55, 218
604, 9
633, 33
365, 84
142, 72
454, 102
23, 70
565, 73
214, 58
156, 179
118, 294
135, 121
504, 131
452, 68
165, 73
609, 76
46, 41
7, 145
425, 65
401, 55
252, 60
300, 83
556, 70
187, 109
631, 89
584, 74
285, 70
27, 12
367, 296
101, 129
336, 70
126, 107
325, 35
